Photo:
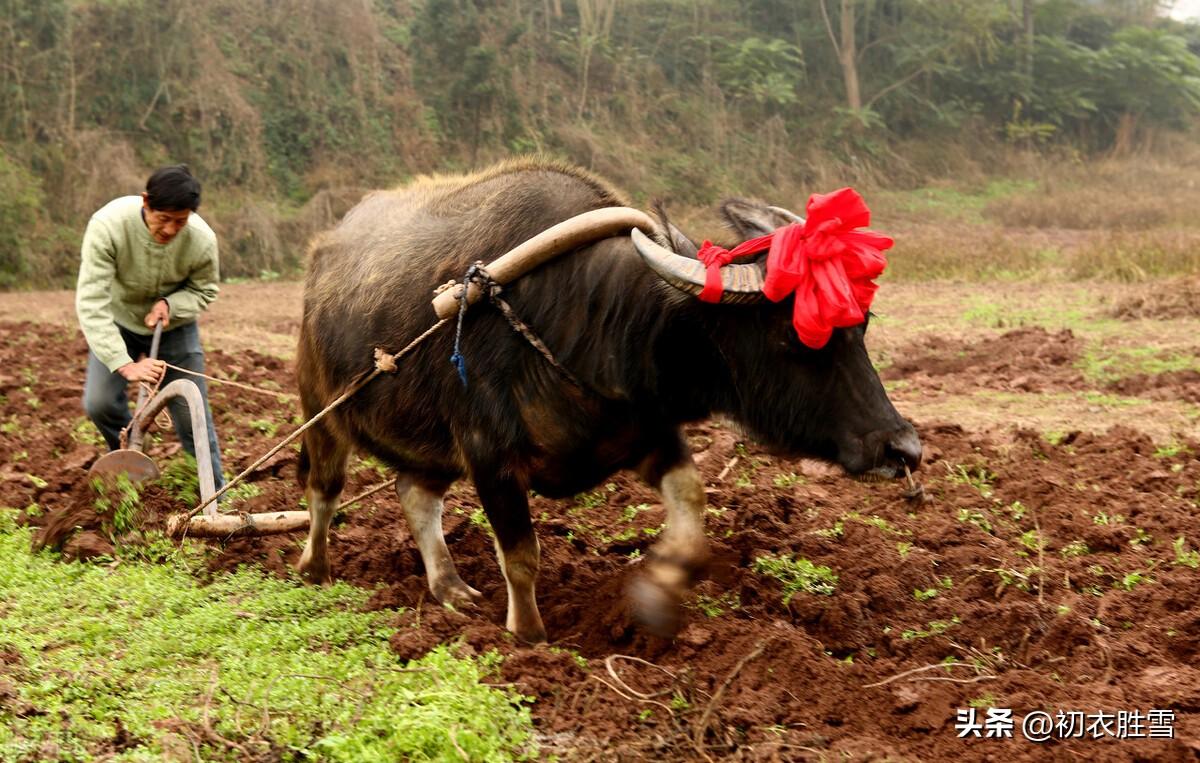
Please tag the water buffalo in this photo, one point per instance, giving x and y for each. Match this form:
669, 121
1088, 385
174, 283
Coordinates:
622, 319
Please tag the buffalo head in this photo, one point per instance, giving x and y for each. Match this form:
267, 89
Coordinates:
826, 402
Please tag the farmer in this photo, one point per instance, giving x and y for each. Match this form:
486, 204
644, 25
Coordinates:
146, 258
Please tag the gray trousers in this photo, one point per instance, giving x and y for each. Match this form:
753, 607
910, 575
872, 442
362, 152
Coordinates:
107, 404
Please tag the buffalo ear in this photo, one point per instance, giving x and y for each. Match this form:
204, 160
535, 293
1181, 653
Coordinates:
682, 245
752, 219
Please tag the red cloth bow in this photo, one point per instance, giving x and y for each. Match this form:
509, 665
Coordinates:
828, 265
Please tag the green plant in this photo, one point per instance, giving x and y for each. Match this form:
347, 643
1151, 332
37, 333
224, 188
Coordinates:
934, 628
85, 433
145, 649
266, 426
181, 479
1184, 556
119, 496
975, 517
1131, 580
836, 531
1074, 548
978, 477
796, 575
715, 606
788, 480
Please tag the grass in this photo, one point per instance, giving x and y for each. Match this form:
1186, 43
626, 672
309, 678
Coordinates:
797, 575
181, 478
1185, 557
138, 662
1102, 364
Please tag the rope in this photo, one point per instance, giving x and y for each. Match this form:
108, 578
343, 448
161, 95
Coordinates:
239, 385
367, 493
123, 437
478, 275
384, 363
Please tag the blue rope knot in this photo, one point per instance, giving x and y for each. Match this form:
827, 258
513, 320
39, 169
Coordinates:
474, 274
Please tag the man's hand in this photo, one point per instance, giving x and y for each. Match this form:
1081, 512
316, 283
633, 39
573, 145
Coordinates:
145, 370
160, 312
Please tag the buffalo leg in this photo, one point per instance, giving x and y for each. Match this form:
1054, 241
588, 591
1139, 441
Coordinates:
507, 509
422, 505
675, 560
323, 483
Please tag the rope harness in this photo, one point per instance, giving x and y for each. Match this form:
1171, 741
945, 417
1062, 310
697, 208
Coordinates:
491, 290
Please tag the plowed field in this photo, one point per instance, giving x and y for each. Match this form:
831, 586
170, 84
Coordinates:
1052, 566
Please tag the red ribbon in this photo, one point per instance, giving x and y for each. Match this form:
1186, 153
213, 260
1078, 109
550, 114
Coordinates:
828, 265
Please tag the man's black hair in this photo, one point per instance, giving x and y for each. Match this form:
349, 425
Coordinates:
173, 189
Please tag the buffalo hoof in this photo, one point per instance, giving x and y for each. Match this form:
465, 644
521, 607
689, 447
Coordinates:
315, 572
531, 635
456, 594
658, 610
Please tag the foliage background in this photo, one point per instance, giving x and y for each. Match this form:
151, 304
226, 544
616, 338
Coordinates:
288, 111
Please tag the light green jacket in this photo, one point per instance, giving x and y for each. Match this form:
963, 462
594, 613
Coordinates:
125, 271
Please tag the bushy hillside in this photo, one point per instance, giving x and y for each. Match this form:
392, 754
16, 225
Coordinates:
288, 110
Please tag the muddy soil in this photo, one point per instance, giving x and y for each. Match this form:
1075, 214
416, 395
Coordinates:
1044, 575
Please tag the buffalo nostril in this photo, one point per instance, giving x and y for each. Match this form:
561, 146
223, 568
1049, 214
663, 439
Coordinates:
905, 446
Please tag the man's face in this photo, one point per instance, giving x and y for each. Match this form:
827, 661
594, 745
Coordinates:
164, 224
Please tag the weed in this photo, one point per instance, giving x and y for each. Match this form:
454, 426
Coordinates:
595, 498
370, 462
1185, 557
137, 647
181, 479
1054, 437
1032, 541
630, 512
788, 480
987, 700
578, 658
1108, 519
243, 491
128, 502
975, 517
934, 628
266, 426
1074, 548
37, 481
478, 518
715, 606
85, 433
1017, 510
925, 595
797, 574
978, 477
1131, 580
836, 531
1140, 538
1171, 450
903, 548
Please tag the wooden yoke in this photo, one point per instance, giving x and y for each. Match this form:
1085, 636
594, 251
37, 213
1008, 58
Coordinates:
569, 234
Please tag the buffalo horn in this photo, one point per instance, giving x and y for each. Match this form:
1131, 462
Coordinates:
567, 235
743, 283
787, 213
